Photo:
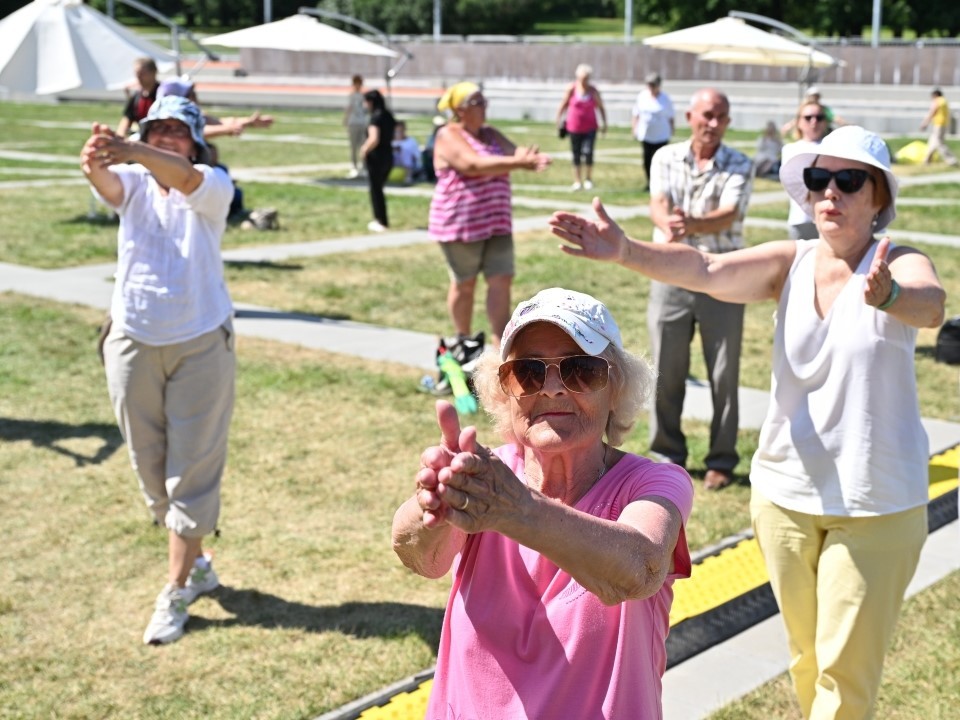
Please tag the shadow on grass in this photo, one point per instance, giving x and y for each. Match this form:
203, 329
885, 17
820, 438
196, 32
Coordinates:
282, 315
48, 433
261, 265
99, 219
361, 620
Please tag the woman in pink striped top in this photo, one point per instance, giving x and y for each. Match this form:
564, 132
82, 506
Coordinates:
470, 212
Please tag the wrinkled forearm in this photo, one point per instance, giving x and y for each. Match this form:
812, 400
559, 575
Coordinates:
427, 551
614, 561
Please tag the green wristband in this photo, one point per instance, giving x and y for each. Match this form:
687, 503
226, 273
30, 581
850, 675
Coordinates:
894, 294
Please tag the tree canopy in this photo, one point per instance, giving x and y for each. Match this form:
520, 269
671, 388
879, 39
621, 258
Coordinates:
844, 18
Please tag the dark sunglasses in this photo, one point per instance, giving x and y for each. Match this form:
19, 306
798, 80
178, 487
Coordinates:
578, 373
849, 180
811, 118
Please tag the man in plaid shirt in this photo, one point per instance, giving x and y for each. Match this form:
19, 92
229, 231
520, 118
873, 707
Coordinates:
699, 190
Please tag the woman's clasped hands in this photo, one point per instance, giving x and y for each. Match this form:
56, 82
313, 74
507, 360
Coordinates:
462, 483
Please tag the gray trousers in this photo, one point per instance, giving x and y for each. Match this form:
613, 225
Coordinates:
672, 316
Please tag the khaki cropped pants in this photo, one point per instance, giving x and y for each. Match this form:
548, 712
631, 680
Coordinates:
173, 404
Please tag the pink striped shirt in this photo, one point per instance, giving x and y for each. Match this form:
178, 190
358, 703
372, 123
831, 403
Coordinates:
471, 209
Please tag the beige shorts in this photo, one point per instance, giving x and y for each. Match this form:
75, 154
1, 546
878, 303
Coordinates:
492, 257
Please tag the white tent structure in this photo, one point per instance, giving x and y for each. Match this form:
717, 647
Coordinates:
731, 40
53, 46
299, 33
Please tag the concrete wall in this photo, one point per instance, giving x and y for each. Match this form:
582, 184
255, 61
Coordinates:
886, 89
448, 62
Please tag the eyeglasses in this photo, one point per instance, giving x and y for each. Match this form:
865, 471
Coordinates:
476, 102
578, 373
849, 180
174, 129
811, 118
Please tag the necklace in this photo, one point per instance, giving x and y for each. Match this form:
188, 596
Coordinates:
603, 471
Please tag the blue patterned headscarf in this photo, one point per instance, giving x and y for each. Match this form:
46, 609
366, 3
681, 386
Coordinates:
173, 107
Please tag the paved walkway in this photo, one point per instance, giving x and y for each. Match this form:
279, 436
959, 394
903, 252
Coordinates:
694, 688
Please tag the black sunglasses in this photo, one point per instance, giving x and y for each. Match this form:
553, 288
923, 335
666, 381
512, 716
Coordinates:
578, 373
819, 118
849, 180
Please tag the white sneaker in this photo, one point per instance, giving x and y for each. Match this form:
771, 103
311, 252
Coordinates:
587, 185
375, 226
169, 617
577, 186
353, 174
202, 579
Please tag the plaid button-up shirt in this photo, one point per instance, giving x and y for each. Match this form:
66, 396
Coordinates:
725, 182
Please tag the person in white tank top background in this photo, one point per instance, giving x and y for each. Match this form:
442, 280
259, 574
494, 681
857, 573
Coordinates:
839, 479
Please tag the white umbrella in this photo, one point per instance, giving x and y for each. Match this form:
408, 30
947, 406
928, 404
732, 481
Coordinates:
52, 46
731, 40
299, 33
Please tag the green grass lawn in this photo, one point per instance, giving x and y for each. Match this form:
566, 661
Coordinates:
316, 611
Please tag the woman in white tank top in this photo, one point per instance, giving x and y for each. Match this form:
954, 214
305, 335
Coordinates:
840, 475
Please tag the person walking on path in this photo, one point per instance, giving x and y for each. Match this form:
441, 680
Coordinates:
169, 352
578, 113
355, 120
652, 120
938, 119
470, 213
840, 476
699, 191
377, 154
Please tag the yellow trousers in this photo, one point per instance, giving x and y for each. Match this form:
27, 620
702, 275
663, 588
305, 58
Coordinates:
839, 582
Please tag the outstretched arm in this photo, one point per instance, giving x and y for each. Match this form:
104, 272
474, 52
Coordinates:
453, 150
756, 273
625, 559
105, 148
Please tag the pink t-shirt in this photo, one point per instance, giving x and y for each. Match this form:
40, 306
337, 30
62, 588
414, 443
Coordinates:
522, 639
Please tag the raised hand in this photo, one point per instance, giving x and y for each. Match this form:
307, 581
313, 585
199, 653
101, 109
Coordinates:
436, 458
600, 239
532, 158
879, 283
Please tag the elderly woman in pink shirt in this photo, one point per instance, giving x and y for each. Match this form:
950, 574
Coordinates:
563, 549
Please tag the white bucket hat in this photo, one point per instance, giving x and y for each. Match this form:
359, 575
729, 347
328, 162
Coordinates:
582, 317
849, 142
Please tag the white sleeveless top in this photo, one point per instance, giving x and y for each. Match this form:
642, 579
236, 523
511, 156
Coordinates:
843, 434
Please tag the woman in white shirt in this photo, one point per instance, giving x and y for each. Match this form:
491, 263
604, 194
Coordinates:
840, 474
169, 353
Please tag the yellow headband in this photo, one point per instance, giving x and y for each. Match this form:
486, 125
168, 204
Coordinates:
455, 96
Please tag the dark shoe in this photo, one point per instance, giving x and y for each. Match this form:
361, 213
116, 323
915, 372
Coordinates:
717, 479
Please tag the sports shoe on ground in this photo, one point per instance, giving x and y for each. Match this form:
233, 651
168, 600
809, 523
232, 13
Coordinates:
353, 174
465, 350
169, 617
374, 226
202, 579
577, 186
588, 185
